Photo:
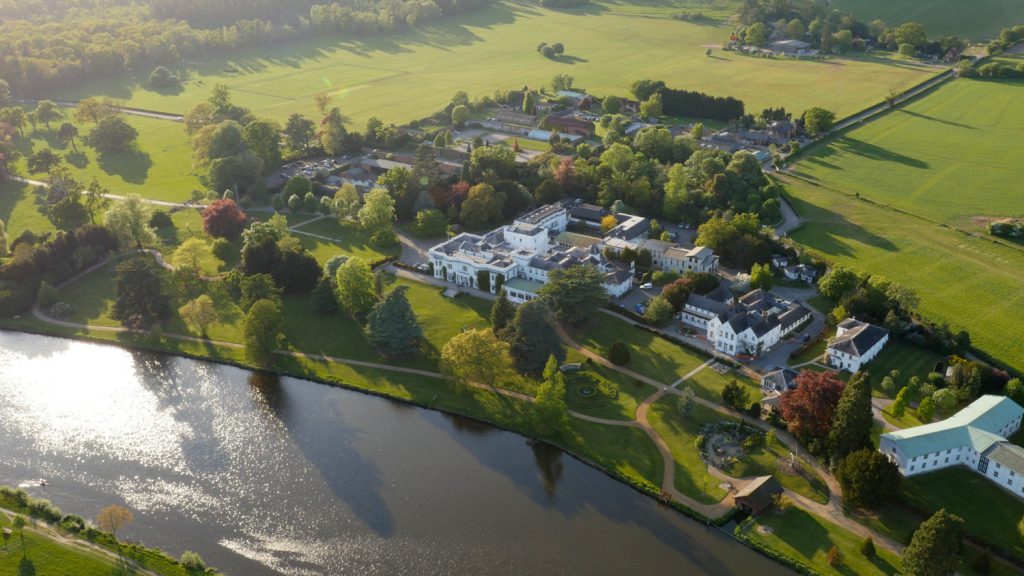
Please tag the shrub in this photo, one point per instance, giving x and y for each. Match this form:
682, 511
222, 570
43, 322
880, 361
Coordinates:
867, 548
223, 219
192, 561
618, 353
222, 249
700, 441
983, 563
835, 557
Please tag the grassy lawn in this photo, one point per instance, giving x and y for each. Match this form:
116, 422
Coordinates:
627, 452
990, 512
808, 538
692, 476
604, 393
814, 353
762, 461
650, 355
940, 264
608, 46
21, 208
349, 240
160, 168
975, 20
708, 384
940, 156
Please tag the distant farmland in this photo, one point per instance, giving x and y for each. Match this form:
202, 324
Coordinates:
976, 20
406, 76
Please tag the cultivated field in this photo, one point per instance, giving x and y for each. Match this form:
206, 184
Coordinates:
967, 281
403, 77
951, 156
975, 20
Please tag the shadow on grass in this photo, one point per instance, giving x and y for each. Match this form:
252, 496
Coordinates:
934, 119
26, 567
851, 145
132, 166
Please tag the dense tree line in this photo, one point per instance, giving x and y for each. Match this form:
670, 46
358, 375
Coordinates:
688, 103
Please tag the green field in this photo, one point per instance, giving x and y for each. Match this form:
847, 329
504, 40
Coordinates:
607, 46
976, 20
950, 156
969, 282
160, 168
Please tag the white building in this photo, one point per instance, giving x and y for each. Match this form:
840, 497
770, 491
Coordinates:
521, 256
856, 343
748, 325
974, 437
671, 257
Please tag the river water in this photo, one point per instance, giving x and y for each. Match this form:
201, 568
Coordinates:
264, 475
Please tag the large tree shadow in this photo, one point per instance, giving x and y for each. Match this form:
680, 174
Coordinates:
132, 166
939, 120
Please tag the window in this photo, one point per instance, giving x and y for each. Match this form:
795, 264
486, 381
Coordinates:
911, 468
995, 474
998, 466
947, 461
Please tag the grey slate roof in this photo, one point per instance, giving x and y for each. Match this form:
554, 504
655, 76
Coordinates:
794, 314
1008, 455
858, 338
780, 379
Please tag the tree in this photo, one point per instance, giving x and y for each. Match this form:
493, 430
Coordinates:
502, 312
612, 104
4, 250
550, 413
19, 523
945, 399
128, 221
735, 396
608, 222
761, 277
659, 312
262, 332
47, 111
113, 518
808, 410
460, 114
263, 138
838, 282
333, 134
652, 107
476, 356
757, 34
299, 132
926, 409
355, 286
223, 219
483, 206
392, 325
377, 215
935, 546
853, 418
818, 121
834, 556
529, 101
867, 548
112, 135
686, 401
322, 100
42, 161
618, 353
868, 478
795, 29
431, 223
899, 405
532, 338
256, 287
67, 133
200, 313
575, 293
14, 116
195, 254
140, 299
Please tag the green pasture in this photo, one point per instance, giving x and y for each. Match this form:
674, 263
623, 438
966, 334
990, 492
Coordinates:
401, 77
970, 282
22, 208
692, 477
950, 156
159, 168
976, 20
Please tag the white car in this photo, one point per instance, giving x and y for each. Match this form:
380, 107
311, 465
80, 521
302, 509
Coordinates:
646, 286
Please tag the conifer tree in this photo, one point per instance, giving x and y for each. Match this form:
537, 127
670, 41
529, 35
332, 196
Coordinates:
392, 324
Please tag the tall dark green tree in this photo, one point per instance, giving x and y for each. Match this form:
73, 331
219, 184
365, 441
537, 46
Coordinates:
532, 338
575, 293
550, 414
141, 302
502, 312
868, 478
392, 324
934, 550
262, 331
851, 424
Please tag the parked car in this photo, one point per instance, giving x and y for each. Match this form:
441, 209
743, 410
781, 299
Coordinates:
646, 286
423, 267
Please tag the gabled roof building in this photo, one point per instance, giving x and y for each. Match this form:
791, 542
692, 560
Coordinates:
856, 343
975, 437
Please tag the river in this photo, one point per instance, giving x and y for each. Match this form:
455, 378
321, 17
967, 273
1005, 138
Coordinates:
264, 475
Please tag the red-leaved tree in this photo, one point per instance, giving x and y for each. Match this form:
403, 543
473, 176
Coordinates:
809, 409
223, 219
